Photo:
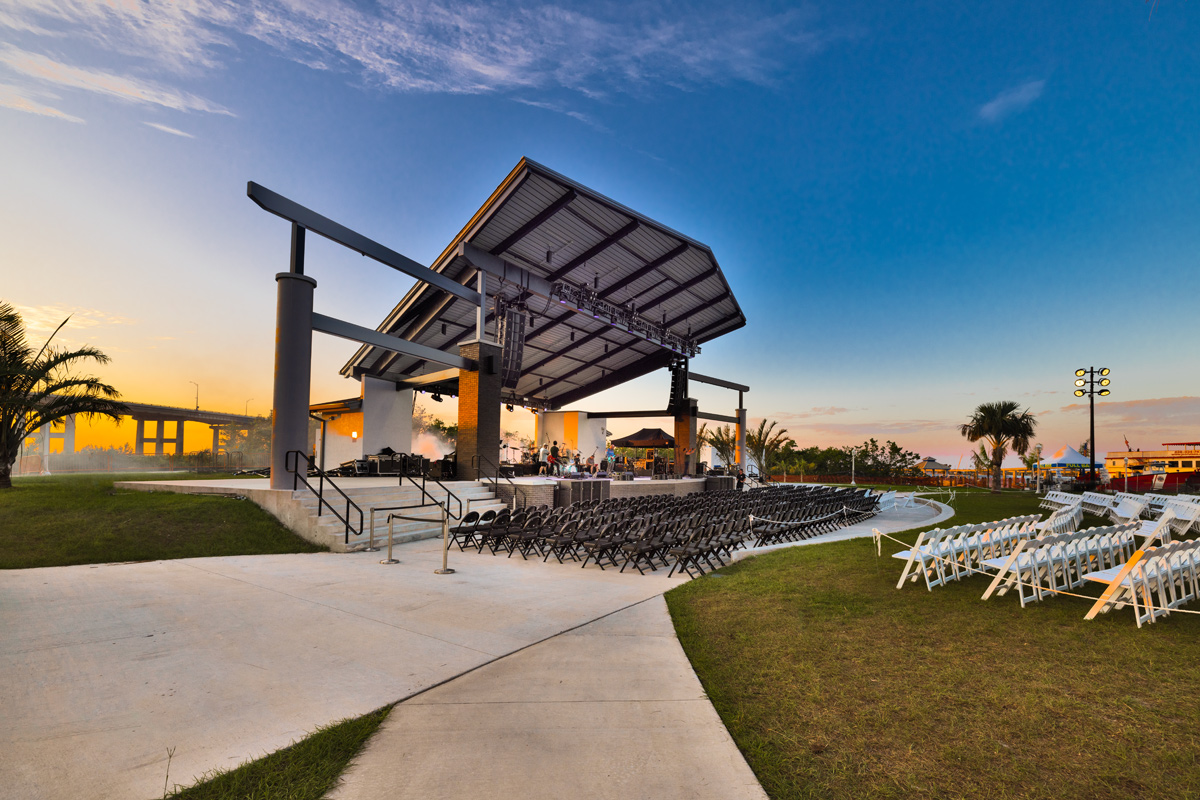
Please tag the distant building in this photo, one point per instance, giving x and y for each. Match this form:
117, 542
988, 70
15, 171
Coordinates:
1176, 457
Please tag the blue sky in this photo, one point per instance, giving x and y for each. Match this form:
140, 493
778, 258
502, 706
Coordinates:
920, 207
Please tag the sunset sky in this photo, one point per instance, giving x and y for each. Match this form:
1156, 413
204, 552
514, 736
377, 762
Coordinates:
919, 206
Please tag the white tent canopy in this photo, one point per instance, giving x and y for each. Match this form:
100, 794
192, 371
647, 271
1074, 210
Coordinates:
1067, 457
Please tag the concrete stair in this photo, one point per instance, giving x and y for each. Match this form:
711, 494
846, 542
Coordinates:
475, 496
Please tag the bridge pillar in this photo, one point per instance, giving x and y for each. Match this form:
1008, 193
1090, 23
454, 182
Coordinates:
293, 370
479, 411
140, 442
179, 437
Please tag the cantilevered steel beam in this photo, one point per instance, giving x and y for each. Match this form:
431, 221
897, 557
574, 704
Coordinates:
737, 387
310, 220
357, 333
717, 417
629, 414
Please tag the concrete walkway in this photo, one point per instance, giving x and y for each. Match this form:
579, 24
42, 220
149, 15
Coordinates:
609, 710
102, 668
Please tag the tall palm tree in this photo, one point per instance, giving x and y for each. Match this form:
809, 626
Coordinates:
724, 444
1002, 426
40, 387
764, 445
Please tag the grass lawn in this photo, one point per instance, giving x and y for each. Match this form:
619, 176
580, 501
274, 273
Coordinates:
836, 684
304, 771
81, 519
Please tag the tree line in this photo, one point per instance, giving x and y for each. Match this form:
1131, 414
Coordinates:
772, 452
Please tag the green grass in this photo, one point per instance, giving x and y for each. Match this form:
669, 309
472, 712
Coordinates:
306, 770
836, 684
81, 519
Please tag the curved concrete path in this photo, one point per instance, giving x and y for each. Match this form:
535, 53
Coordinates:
102, 668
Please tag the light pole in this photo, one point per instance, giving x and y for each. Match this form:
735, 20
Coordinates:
1038, 450
852, 483
1086, 383
246, 410
193, 383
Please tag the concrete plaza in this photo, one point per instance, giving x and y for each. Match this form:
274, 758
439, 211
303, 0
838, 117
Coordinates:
103, 668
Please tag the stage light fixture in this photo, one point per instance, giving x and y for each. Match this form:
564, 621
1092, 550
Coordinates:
1080, 372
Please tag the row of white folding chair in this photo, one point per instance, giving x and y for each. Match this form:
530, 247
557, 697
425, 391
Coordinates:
1154, 581
945, 554
1187, 516
1155, 531
1126, 509
1054, 500
1096, 503
1045, 566
887, 501
1132, 498
1064, 520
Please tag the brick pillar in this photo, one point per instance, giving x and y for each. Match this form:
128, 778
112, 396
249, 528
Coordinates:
685, 437
479, 410
743, 461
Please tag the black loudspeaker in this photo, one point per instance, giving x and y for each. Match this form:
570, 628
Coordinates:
510, 331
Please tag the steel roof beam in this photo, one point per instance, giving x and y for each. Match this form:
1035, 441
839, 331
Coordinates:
644, 271
543, 215
593, 251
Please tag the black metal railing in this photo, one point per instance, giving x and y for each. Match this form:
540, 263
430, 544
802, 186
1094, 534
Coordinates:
433, 500
479, 460
291, 462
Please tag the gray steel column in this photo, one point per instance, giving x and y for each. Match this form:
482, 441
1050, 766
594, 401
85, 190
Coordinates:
293, 369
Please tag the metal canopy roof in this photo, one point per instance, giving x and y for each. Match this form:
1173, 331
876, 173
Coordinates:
594, 244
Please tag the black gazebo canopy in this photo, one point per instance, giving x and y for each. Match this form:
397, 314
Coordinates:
646, 437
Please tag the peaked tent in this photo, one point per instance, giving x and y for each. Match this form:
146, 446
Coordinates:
1067, 457
931, 464
646, 437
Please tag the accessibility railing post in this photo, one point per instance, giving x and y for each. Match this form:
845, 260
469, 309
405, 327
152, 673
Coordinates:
389, 559
371, 548
445, 570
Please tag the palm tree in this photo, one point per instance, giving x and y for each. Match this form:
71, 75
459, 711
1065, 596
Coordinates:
724, 444
1002, 426
764, 445
39, 388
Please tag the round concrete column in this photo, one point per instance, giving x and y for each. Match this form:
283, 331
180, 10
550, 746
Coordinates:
293, 370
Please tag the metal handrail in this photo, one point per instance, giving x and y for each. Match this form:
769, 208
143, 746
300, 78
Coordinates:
434, 501
480, 458
320, 491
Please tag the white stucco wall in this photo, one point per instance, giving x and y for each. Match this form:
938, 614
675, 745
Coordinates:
387, 417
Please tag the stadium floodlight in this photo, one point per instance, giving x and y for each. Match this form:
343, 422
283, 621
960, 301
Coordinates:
1091, 380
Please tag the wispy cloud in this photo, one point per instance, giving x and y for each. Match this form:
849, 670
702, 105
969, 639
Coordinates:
42, 320
456, 48
1178, 414
124, 88
1011, 101
18, 100
166, 129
